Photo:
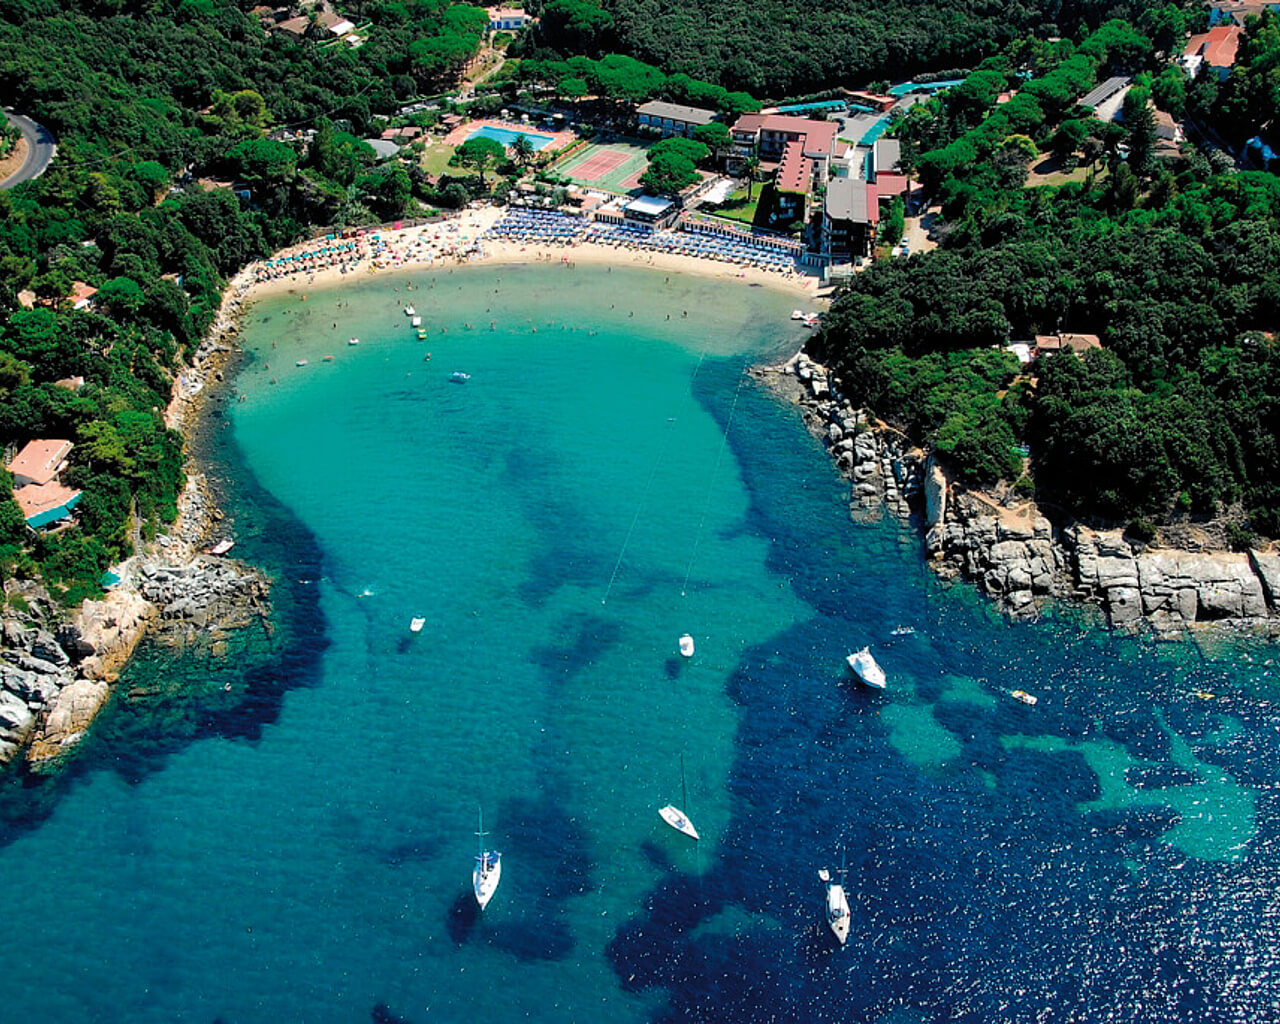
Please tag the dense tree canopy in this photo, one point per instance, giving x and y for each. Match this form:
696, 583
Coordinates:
1176, 269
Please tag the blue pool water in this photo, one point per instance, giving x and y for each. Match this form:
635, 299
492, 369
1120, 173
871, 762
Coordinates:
285, 831
507, 136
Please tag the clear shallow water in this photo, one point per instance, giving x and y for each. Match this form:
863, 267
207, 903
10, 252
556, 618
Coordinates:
299, 848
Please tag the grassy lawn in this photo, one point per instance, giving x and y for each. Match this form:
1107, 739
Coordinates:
1048, 172
435, 161
738, 207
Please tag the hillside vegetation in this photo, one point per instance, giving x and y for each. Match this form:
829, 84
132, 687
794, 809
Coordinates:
1174, 263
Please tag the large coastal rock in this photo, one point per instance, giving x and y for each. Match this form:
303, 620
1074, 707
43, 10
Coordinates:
1009, 551
52, 686
1009, 548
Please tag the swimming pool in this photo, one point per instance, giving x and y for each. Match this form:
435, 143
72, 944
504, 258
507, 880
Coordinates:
507, 136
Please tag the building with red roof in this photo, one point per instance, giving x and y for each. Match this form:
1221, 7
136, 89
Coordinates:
797, 150
43, 498
1215, 49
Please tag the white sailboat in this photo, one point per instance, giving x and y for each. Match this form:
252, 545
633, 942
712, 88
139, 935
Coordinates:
864, 665
488, 870
837, 905
686, 646
675, 817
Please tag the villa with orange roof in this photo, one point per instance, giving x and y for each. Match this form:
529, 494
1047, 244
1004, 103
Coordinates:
1215, 49
37, 489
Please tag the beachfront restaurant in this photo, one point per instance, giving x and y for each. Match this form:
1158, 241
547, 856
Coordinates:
651, 210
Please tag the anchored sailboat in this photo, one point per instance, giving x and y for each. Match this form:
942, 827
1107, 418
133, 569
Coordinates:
675, 817
837, 904
488, 869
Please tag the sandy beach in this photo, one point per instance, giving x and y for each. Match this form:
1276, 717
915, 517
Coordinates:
457, 240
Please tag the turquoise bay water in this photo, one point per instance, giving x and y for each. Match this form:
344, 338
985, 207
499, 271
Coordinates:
298, 847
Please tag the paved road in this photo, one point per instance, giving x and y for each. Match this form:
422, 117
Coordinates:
41, 148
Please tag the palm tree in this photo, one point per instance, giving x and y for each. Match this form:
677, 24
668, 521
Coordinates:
522, 151
751, 165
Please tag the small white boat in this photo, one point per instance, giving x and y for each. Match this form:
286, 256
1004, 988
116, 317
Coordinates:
459, 377
675, 817
1026, 698
902, 631
222, 547
410, 311
837, 907
866, 669
686, 645
678, 820
797, 314
488, 870
300, 362
416, 321
353, 341
416, 624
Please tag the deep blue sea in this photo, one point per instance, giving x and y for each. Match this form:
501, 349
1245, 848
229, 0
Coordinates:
284, 830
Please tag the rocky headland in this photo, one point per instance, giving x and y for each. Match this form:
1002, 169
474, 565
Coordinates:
1011, 549
57, 667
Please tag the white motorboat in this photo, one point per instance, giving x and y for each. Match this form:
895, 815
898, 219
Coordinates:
416, 624
866, 669
837, 907
488, 870
797, 314
902, 631
459, 377
300, 362
686, 645
675, 817
416, 322
1026, 698
410, 311
353, 341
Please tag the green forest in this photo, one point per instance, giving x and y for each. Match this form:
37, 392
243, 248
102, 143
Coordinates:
142, 101
1174, 261
773, 48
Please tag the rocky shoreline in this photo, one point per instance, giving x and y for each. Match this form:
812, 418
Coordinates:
57, 669
1010, 549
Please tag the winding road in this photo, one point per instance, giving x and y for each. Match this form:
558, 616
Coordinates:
41, 148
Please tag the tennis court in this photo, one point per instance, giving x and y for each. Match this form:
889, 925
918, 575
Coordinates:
616, 166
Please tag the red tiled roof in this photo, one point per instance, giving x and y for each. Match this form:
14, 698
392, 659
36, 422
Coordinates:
36, 498
749, 123
891, 184
873, 203
796, 170
819, 136
40, 460
1218, 46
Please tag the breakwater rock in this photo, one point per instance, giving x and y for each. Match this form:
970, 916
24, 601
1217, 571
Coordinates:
55, 675
1008, 547
56, 670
